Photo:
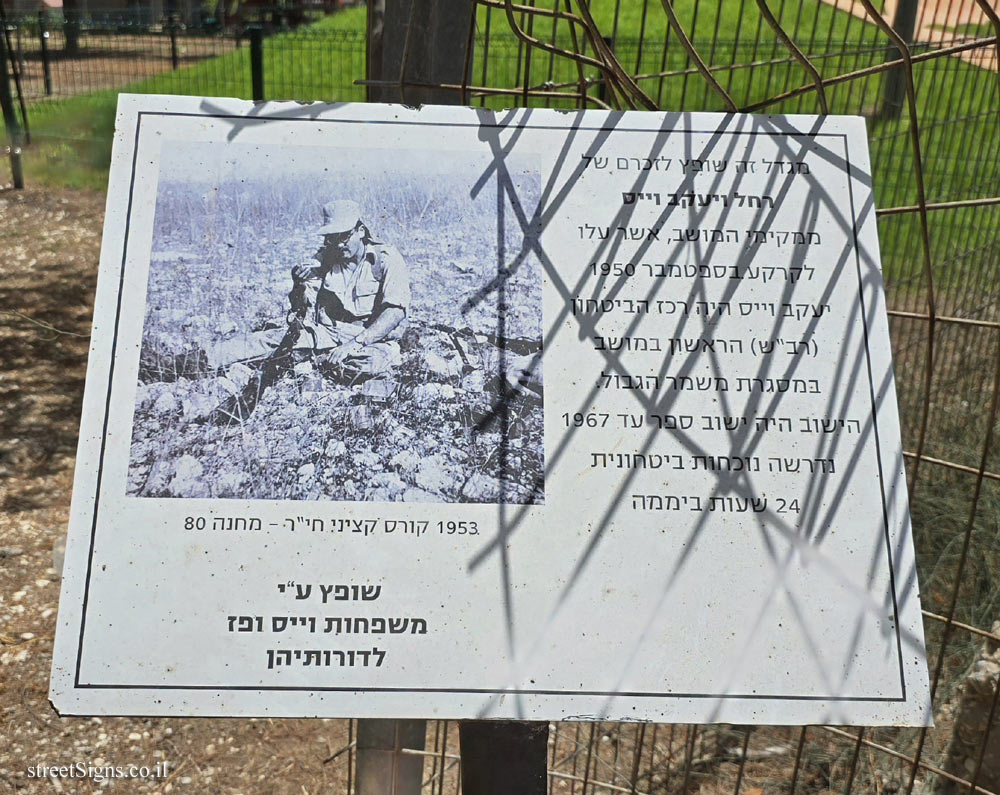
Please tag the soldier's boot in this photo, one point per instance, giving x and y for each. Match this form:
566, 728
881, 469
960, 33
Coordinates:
238, 408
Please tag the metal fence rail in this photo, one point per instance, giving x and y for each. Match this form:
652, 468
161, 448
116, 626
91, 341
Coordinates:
144, 59
932, 99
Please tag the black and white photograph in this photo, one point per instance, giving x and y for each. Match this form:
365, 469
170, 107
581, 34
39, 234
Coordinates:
340, 324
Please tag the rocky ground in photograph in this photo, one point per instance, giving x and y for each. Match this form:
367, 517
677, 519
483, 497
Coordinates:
435, 433
461, 418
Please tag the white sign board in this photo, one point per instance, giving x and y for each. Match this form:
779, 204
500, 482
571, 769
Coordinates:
459, 413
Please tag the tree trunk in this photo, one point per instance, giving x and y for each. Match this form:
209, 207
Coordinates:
434, 47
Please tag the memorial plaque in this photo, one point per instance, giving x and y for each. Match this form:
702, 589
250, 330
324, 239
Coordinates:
460, 413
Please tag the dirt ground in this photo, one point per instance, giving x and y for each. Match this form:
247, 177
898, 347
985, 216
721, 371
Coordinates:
50, 243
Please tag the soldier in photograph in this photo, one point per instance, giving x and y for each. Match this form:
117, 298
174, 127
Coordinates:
348, 311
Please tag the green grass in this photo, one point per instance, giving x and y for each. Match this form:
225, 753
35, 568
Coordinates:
351, 19
728, 32
71, 142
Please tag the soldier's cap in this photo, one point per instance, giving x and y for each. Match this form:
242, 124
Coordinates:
340, 216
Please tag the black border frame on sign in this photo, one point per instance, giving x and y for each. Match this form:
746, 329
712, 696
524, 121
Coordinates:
487, 691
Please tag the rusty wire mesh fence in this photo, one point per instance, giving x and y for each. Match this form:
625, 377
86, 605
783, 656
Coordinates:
931, 93
929, 88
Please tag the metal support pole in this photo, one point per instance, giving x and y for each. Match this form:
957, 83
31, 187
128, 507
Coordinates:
43, 40
10, 118
175, 60
383, 768
904, 22
419, 41
501, 757
16, 57
172, 32
257, 62
375, 26
17, 67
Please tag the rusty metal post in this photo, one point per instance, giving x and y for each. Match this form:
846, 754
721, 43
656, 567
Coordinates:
10, 118
373, 62
602, 87
383, 768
